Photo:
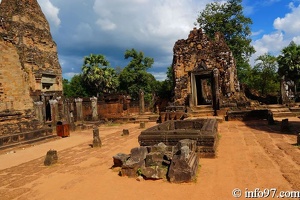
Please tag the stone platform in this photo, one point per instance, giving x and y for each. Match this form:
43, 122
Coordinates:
203, 131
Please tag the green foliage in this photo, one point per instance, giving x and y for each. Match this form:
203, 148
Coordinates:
263, 77
289, 61
97, 74
135, 77
76, 87
289, 65
166, 87
66, 87
228, 18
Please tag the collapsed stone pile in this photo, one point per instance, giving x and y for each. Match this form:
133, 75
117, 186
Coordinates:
177, 163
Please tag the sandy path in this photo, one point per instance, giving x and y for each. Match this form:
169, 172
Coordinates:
251, 155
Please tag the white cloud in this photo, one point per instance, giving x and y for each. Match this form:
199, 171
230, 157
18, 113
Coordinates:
69, 75
160, 76
296, 39
106, 24
286, 30
50, 11
290, 24
269, 43
145, 21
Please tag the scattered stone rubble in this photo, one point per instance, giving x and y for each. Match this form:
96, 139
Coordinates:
177, 163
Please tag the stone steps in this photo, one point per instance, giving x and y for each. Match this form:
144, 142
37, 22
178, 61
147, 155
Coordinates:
201, 111
281, 111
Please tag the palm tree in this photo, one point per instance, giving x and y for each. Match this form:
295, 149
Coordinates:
289, 64
98, 75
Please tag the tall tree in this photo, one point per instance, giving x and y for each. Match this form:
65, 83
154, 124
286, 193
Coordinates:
289, 61
289, 64
264, 74
76, 87
228, 18
135, 76
98, 75
166, 87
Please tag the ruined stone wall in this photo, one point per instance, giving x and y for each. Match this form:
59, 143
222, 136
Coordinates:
14, 90
28, 62
199, 53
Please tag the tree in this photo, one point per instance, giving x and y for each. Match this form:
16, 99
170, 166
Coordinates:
289, 61
135, 76
289, 64
98, 75
228, 18
264, 75
75, 87
166, 87
66, 87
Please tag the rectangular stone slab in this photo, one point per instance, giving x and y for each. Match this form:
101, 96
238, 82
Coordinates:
203, 131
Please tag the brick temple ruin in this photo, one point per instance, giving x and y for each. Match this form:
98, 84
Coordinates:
27, 50
30, 73
31, 90
205, 73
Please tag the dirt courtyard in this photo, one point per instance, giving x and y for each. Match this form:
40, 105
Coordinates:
250, 155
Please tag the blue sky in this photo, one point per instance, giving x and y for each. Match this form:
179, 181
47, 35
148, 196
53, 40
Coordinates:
109, 27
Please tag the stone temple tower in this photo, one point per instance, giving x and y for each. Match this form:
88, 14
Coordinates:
29, 66
205, 72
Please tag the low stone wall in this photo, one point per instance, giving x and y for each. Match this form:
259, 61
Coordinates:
17, 128
248, 115
203, 131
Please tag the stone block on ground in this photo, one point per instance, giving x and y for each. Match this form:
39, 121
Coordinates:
184, 165
125, 132
130, 167
51, 158
155, 172
154, 159
96, 137
119, 159
138, 153
285, 125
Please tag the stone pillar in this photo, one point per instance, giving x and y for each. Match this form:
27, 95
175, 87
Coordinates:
54, 111
44, 108
284, 91
285, 125
60, 109
38, 109
94, 108
96, 137
142, 101
78, 102
67, 110
51, 158
216, 95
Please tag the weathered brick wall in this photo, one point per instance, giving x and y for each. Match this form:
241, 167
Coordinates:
14, 89
29, 56
196, 52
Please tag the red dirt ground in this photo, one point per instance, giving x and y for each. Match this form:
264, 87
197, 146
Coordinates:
250, 155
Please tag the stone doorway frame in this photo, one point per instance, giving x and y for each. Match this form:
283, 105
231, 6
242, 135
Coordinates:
213, 76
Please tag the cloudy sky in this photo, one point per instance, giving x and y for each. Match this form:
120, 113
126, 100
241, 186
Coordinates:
109, 27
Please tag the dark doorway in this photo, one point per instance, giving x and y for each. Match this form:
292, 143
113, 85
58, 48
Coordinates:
204, 90
48, 108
